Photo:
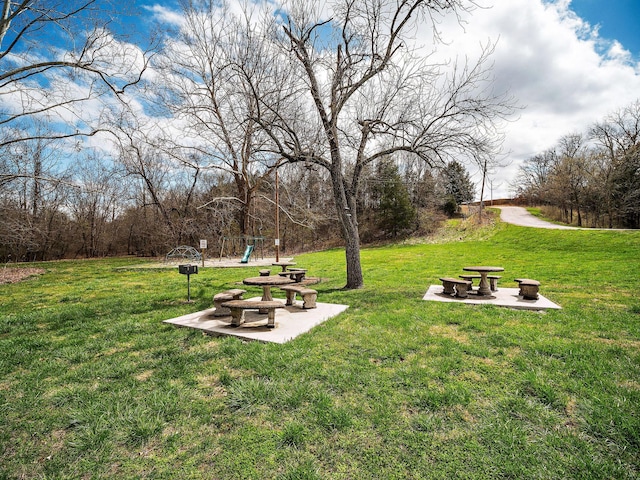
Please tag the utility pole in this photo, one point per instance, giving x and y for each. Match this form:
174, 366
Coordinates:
277, 241
484, 176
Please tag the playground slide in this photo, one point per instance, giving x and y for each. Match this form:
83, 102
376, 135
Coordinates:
247, 254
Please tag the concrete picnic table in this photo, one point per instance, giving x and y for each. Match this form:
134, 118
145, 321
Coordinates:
266, 283
284, 265
484, 287
297, 274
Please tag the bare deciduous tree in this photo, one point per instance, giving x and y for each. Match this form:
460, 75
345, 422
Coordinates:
55, 58
211, 70
31, 203
365, 93
534, 176
95, 204
618, 140
600, 181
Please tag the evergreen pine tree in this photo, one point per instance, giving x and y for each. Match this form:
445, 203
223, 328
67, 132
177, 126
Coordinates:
395, 213
458, 186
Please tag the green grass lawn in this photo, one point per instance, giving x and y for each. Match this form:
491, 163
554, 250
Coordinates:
94, 385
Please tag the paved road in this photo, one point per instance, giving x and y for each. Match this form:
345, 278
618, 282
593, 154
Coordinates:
520, 216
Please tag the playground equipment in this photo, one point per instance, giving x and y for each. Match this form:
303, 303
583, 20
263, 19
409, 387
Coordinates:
247, 254
234, 246
183, 252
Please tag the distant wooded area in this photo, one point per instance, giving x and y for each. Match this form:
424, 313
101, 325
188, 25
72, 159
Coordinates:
46, 216
589, 179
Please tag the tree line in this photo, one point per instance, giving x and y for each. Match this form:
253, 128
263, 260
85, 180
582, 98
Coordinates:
110, 148
46, 215
592, 178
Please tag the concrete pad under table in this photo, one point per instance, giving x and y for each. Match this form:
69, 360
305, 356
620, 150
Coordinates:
290, 322
504, 297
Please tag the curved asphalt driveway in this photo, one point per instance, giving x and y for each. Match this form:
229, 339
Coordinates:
520, 216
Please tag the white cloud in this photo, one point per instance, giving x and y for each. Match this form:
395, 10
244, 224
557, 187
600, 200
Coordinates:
553, 63
166, 15
618, 53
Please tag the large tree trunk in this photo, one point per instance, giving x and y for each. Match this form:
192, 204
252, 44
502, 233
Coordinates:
354, 268
345, 206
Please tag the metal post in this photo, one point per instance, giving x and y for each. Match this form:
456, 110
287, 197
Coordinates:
277, 220
203, 247
187, 270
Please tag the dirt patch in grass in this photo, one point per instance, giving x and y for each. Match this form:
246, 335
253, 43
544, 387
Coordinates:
15, 275
450, 332
144, 375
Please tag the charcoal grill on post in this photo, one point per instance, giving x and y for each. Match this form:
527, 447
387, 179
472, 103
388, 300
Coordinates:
188, 270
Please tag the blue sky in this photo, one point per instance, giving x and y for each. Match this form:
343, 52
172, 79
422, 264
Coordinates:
617, 19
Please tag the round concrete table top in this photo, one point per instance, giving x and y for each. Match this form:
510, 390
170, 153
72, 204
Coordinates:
284, 265
483, 269
271, 280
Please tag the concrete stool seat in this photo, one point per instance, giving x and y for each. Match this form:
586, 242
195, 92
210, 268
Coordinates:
226, 296
461, 286
528, 288
238, 307
297, 274
308, 295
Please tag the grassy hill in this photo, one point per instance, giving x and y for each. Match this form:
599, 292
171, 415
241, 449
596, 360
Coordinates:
94, 385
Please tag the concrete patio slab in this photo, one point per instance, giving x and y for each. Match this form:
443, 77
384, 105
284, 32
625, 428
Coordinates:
290, 322
504, 297
224, 262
